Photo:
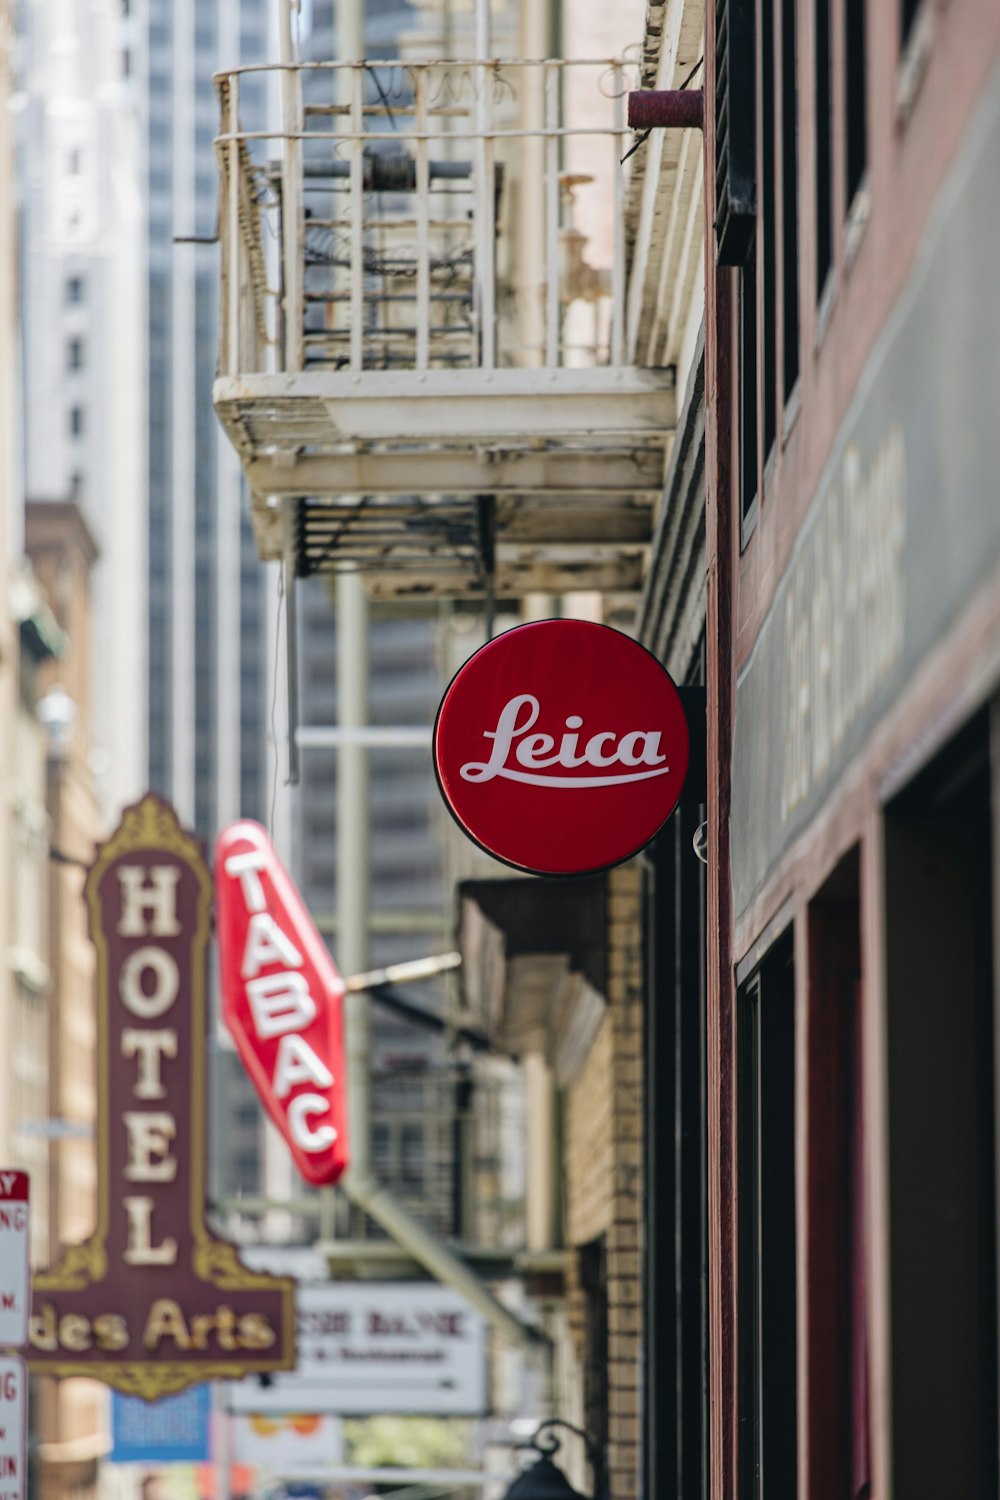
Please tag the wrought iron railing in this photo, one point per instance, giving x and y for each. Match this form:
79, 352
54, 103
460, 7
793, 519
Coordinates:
422, 216
449, 1145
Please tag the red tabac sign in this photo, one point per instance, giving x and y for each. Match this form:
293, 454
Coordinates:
561, 747
282, 1001
154, 1302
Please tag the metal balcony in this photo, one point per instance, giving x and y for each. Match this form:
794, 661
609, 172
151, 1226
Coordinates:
422, 361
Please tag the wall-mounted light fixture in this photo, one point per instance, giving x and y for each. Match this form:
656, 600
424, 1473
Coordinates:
57, 716
543, 1480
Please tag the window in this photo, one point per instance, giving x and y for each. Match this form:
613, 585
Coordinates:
76, 420
940, 933
855, 105
789, 197
74, 289
769, 222
676, 1232
74, 354
592, 1265
824, 144
735, 187
412, 1157
837, 1248
748, 396
73, 162
252, 45
768, 1451
908, 12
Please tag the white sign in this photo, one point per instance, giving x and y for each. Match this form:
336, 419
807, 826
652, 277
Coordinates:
288, 1444
13, 1427
15, 1278
369, 1348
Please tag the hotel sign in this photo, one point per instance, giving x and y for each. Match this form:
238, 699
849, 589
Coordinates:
154, 1302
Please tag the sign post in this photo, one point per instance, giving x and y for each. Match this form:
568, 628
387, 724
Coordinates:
15, 1277
13, 1428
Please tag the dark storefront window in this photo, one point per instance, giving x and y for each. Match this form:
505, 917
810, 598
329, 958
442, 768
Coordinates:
789, 196
768, 228
822, 59
748, 398
837, 1245
676, 1146
855, 103
593, 1268
768, 1457
908, 12
940, 1038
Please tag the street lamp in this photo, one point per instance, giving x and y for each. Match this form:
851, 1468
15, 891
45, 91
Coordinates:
57, 716
543, 1480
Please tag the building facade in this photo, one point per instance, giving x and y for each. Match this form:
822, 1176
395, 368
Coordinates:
853, 663
82, 299
210, 606
207, 611
70, 1433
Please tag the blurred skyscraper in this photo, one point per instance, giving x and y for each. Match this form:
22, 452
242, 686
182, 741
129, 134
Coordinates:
83, 307
206, 702
207, 611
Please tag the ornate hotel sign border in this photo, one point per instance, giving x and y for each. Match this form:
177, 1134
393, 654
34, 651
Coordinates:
154, 1302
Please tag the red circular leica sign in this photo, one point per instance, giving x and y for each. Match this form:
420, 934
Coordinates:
561, 747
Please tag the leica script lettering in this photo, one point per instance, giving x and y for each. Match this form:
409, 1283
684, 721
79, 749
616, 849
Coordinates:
537, 752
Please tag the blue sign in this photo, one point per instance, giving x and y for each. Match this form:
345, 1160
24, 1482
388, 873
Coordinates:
173, 1430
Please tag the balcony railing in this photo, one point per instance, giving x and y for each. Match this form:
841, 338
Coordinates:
447, 1144
390, 189
423, 303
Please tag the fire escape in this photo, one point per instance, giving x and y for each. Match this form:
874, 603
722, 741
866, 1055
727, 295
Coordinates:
421, 369
423, 372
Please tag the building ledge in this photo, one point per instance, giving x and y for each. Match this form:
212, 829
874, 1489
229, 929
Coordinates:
534, 965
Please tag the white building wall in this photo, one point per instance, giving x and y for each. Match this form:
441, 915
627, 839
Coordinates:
83, 346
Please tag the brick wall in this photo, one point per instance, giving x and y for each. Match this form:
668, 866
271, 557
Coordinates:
603, 1166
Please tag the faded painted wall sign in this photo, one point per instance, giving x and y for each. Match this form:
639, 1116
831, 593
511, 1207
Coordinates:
903, 530
154, 1302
